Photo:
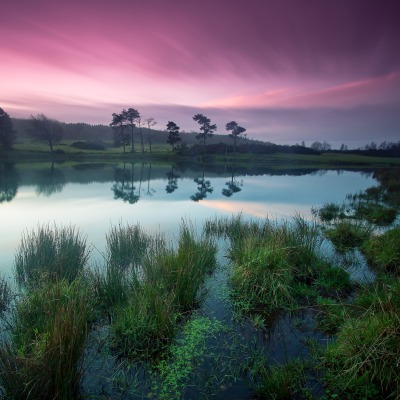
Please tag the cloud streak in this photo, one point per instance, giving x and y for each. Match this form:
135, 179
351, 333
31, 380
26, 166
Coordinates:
282, 66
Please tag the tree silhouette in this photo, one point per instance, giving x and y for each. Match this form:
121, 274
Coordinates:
173, 134
237, 132
124, 187
129, 117
118, 124
150, 121
50, 181
46, 130
206, 129
8, 182
233, 186
7, 133
172, 184
203, 188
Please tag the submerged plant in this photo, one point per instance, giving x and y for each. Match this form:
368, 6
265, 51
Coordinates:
183, 356
50, 254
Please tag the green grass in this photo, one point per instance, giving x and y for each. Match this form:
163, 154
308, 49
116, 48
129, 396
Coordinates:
5, 293
166, 285
174, 371
48, 336
375, 213
347, 234
362, 362
50, 254
281, 382
383, 251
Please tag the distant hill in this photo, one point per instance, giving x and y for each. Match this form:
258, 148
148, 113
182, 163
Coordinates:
83, 131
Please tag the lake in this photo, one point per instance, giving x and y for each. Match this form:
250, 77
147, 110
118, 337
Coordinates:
94, 197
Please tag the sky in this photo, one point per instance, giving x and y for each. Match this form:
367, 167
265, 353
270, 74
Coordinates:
286, 70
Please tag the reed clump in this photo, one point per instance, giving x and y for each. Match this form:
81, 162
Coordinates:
5, 293
166, 285
363, 360
347, 234
50, 254
383, 251
269, 259
48, 334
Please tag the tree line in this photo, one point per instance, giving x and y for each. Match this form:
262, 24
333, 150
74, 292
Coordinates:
129, 122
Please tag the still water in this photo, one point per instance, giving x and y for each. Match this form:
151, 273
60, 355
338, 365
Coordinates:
94, 197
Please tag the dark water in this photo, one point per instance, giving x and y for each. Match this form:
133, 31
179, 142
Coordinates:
94, 197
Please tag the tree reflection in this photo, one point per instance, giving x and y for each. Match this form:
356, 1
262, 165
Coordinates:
8, 182
124, 187
203, 188
233, 186
50, 181
172, 184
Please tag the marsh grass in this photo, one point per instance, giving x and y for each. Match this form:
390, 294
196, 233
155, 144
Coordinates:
383, 251
167, 285
5, 293
126, 245
363, 360
329, 212
269, 259
375, 213
281, 382
42, 360
347, 234
50, 254
146, 323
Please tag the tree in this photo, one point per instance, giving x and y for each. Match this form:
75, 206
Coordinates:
7, 133
237, 132
120, 136
206, 129
47, 130
130, 116
318, 146
150, 122
173, 134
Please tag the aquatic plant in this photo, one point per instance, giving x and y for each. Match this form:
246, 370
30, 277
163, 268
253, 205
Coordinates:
173, 372
363, 360
347, 234
48, 336
126, 245
50, 254
5, 293
383, 251
146, 323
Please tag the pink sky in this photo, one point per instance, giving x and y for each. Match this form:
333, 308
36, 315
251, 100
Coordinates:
287, 70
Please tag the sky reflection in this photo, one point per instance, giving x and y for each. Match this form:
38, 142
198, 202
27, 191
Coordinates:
93, 209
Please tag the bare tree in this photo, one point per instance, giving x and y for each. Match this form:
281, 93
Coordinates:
49, 131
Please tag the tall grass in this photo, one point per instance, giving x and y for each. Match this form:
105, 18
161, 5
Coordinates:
269, 258
166, 285
126, 245
363, 360
383, 251
50, 254
347, 234
5, 293
42, 360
